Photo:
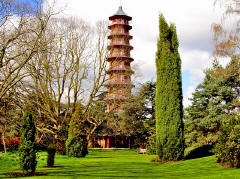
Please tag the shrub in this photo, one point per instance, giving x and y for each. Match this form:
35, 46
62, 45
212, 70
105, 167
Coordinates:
51, 150
77, 144
27, 148
151, 145
228, 146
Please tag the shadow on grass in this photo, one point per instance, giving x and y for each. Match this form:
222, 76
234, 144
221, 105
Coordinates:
53, 167
103, 169
21, 174
100, 157
127, 164
203, 151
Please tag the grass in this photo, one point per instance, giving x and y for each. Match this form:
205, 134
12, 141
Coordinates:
121, 164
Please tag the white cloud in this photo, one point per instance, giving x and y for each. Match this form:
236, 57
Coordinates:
195, 61
187, 95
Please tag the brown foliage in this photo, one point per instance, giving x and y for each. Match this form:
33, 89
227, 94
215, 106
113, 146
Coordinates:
226, 34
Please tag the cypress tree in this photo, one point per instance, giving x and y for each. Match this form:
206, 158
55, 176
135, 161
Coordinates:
27, 148
169, 109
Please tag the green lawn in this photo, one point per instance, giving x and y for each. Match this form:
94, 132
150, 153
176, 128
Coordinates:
121, 164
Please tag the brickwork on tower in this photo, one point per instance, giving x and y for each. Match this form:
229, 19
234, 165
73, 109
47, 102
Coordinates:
119, 84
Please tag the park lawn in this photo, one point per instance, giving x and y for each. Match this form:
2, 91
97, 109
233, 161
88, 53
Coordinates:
121, 164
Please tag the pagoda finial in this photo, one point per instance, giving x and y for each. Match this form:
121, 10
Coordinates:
120, 14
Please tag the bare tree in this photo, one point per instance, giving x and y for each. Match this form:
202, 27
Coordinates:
99, 63
68, 69
22, 25
227, 33
19, 40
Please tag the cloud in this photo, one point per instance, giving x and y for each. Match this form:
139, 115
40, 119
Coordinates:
195, 61
188, 95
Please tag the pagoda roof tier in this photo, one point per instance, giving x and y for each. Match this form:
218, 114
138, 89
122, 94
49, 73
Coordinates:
120, 14
119, 83
109, 47
119, 35
117, 69
122, 58
115, 98
128, 27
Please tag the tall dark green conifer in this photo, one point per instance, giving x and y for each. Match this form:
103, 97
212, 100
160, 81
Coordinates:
169, 109
27, 148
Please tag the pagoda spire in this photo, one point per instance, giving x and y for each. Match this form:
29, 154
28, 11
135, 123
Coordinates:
119, 84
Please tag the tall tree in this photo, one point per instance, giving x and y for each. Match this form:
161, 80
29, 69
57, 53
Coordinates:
27, 148
22, 25
213, 103
139, 114
169, 109
69, 68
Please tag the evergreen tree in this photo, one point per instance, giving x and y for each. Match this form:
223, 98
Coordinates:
27, 148
228, 144
77, 144
169, 109
213, 103
139, 115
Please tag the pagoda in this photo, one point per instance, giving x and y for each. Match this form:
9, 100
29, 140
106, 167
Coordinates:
119, 84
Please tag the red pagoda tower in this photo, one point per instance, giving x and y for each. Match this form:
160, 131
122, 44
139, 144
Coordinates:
119, 84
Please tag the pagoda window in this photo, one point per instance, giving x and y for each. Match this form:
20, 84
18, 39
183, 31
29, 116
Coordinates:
121, 51
127, 63
119, 93
120, 65
110, 90
119, 77
114, 63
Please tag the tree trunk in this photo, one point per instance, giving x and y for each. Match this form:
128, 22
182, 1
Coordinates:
93, 130
3, 141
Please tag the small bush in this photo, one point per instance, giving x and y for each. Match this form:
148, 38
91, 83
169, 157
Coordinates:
27, 148
228, 147
151, 145
155, 159
51, 150
77, 144
77, 147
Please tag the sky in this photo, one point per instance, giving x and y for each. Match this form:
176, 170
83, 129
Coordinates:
193, 19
